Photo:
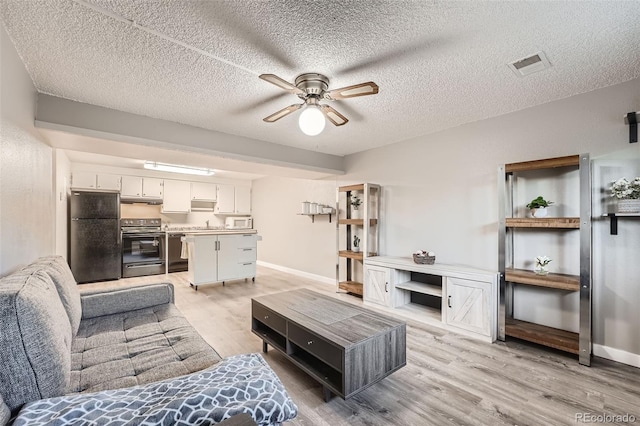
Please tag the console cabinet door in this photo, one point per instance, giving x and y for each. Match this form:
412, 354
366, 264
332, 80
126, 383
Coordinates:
467, 305
377, 285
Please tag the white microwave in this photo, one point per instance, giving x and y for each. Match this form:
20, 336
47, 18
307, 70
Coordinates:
238, 222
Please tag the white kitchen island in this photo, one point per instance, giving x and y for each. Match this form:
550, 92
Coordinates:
221, 255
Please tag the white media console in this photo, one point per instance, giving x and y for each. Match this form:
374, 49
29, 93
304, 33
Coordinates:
456, 297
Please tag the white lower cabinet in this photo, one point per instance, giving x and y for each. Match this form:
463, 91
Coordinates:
203, 259
468, 304
215, 258
377, 283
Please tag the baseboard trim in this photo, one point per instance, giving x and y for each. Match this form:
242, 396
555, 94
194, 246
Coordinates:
297, 272
617, 355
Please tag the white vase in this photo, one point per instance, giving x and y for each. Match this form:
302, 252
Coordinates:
628, 206
355, 249
539, 212
540, 270
355, 213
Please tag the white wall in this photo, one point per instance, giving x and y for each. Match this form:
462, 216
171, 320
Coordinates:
440, 193
291, 240
62, 172
27, 211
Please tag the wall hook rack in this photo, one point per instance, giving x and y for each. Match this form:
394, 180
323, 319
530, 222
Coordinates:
631, 118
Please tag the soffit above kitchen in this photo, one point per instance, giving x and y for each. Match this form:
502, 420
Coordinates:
438, 64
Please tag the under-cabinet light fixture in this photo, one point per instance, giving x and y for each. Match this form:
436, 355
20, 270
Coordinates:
173, 168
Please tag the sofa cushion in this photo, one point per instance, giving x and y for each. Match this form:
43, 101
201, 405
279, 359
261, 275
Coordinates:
35, 338
118, 300
136, 347
65, 283
5, 413
239, 384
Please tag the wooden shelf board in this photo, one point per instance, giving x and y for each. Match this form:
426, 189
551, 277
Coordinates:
418, 287
351, 255
351, 287
358, 187
418, 312
559, 281
549, 163
547, 222
357, 222
543, 335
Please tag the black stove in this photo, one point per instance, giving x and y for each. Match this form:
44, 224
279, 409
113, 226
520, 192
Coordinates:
143, 247
132, 226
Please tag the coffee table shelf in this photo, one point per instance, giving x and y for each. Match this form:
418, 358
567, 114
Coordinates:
342, 346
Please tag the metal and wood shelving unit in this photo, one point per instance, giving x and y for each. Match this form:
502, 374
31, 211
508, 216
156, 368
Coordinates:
365, 226
510, 277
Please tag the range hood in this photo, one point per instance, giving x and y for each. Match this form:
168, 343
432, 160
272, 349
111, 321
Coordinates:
141, 200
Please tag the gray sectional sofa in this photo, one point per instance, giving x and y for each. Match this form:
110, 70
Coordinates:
64, 353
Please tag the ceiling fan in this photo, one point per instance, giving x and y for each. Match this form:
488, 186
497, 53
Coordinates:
313, 88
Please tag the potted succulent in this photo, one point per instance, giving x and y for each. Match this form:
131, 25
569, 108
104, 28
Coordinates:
541, 263
356, 244
355, 205
627, 194
538, 207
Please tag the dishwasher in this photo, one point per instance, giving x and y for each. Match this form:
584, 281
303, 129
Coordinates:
175, 262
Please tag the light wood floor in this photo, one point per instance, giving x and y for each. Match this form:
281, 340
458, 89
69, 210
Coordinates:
449, 379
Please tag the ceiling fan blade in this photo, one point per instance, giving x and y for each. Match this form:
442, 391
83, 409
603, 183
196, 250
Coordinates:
362, 89
282, 113
333, 116
283, 84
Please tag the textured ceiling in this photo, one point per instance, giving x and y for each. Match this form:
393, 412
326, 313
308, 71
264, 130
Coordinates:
438, 64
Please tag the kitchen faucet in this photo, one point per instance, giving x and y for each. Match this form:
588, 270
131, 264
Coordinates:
207, 222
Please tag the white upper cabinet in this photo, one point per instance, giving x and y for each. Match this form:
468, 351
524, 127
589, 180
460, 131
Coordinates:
203, 191
90, 180
136, 187
233, 200
131, 186
106, 181
242, 200
176, 197
152, 187
226, 200
83, 180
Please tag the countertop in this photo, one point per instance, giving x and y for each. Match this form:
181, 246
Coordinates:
213, 231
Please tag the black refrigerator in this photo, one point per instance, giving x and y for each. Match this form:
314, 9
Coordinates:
94, 236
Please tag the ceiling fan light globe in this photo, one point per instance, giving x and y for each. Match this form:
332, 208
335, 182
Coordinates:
311, 121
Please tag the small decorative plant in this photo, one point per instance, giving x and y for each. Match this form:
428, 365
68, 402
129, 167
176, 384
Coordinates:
622, 189
541, 263
356, 243
355, 202
539, 202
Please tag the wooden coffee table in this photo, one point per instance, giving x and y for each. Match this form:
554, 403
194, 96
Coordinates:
343, 346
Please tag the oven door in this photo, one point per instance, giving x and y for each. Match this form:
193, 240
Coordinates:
143, 254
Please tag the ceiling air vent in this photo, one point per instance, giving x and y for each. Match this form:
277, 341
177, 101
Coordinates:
533, 63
